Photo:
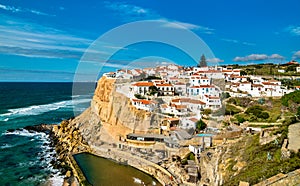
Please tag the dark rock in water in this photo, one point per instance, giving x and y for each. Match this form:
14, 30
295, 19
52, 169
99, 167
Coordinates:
11, 130
39, 128
7, 184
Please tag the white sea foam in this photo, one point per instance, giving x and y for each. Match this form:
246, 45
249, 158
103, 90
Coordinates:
24, 132
40, 109
5, 146
56, 180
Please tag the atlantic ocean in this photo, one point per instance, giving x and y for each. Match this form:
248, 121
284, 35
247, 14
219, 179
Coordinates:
25, 156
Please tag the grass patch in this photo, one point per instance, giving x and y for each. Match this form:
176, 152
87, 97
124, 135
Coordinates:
258, 167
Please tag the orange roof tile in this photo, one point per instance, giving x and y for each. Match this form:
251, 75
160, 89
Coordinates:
211, 97
143, 101
163, 85
164, 106
197, 102
203, 86
194, 119
179, 107
143, 84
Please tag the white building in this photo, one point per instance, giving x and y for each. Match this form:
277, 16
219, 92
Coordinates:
143, 104
110, 75
202, 90
141, 87
196, 80
180, 88
212, 102
165, 89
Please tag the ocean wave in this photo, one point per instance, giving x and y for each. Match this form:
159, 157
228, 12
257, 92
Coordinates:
40, 109
6, 146
24, 132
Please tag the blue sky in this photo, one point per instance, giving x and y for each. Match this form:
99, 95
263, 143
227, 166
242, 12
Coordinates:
45, 40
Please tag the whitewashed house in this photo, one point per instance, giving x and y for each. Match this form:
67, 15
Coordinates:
141, 88
110, 75
142, 104
245, 86
196, 80
166, 89
202, 90
180, 88
212, 102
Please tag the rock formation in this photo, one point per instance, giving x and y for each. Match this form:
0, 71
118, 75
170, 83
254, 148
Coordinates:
112, 114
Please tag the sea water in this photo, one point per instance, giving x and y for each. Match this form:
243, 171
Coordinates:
25, 156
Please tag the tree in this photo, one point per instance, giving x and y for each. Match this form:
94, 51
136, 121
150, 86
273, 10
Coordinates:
207, 112
202, 62
153, 90
200, 125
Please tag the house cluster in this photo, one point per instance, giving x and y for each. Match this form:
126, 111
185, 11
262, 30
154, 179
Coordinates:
186, 91
254, 86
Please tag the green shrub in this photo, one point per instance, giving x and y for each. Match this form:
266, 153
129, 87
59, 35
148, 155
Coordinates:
206, 112
263, 115
139, 96
200, 125
291, 97
231, 110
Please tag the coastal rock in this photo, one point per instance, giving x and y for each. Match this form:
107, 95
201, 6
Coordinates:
112, 116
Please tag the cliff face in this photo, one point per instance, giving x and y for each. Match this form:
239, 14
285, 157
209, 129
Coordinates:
112, 115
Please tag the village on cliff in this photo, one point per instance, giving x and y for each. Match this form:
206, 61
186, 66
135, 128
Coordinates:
186, 97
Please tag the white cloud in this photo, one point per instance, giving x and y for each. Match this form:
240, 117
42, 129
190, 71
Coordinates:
249, 44
237, 42
39, 41
276, 56
128, 12
15, 9
9, 8
251, 57
215, 60
258, 57
190, 26
294, 30
296, 55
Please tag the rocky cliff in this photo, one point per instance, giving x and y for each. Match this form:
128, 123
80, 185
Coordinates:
111, 115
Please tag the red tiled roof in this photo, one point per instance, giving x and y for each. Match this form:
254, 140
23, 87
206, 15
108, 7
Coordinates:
143, 84
164, 106
194, 119
203, 86
172, 119
268, 83
211, 97
197, 102
226, 70
143, 101
179, 107
256, 85
163, 85
181, 100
